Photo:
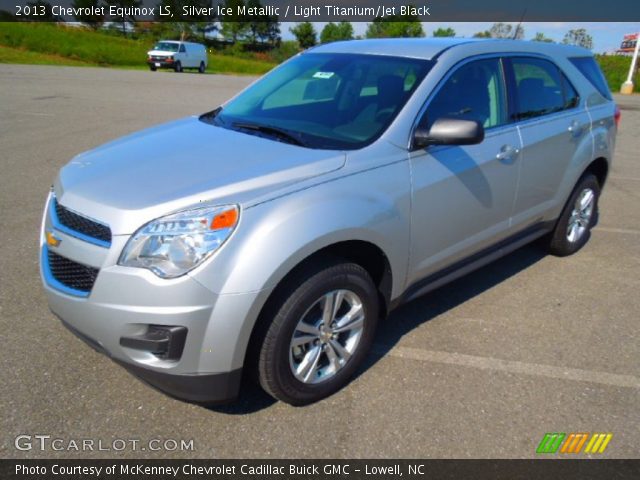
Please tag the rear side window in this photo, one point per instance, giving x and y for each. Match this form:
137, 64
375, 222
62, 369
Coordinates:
590, 69
539, 88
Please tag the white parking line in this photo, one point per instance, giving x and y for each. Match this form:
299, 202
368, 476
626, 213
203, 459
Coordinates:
35, 114
618, 177
488, 363
616, 230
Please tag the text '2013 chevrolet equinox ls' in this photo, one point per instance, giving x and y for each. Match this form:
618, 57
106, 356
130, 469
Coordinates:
270, 234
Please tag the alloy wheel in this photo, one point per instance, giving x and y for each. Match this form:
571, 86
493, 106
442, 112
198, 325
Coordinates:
581, 215
326, 336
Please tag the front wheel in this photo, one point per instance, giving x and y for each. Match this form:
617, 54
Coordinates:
178, 67
577, 218
320, 334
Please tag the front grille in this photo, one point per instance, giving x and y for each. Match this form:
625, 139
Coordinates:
81, 224
71, 274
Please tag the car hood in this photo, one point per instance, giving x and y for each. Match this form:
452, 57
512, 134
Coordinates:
130, 181
162, 53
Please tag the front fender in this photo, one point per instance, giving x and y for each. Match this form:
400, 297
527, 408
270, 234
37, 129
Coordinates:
275, 236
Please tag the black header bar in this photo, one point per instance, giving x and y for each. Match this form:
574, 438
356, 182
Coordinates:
319, 469
333, 10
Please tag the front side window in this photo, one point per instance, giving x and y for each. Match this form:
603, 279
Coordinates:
539, 88
182, 49
326, 100
475, 91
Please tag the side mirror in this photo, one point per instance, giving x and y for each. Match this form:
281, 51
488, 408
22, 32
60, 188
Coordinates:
449, 131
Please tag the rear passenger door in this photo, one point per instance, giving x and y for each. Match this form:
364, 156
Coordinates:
553, 127
463, 195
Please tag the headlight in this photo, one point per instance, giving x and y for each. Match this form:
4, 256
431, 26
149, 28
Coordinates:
171, 246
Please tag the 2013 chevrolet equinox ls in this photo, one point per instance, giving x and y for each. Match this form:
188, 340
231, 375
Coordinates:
273, 232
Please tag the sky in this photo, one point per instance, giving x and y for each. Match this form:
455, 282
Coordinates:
607, 36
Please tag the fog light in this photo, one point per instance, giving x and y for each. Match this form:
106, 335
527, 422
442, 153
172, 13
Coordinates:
166, 342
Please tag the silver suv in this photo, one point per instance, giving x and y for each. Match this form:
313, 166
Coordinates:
269, 235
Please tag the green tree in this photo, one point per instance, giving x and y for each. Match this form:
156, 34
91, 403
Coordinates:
333, 32
92, 21
175, 30
269, 30
502, 30
505, 30
305, 34
541, 37
262, 27
578, 37
234, 26
254, 22
485, 34
199, 25
396, 26
444, 32
125, 4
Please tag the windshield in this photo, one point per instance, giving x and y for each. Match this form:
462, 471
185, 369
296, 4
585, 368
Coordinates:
323, 100
166, 46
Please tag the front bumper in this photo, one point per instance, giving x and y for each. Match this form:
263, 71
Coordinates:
204, 389
127, 302
161, 64
198, 376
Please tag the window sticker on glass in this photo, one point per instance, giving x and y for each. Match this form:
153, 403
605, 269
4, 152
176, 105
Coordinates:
324, 75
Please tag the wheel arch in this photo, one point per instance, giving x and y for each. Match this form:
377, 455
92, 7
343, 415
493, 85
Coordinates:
361, 252
600, 168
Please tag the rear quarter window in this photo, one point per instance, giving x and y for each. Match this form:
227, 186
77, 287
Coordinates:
590, 69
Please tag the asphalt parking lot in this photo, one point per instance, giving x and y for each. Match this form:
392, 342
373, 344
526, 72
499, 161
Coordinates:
480, 368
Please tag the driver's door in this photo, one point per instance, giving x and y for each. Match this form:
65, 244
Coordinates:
463, 195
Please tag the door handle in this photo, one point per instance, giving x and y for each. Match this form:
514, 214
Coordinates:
507, 154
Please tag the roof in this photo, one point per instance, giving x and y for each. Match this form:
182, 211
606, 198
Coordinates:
179, 41
428, 48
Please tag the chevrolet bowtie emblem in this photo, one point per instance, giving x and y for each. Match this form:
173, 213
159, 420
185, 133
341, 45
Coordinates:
52, 240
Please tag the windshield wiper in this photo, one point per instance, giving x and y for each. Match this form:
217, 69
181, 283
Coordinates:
285, 135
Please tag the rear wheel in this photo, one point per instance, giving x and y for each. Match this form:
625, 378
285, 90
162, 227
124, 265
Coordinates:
320, 334
201, 68
153, 68
579, 215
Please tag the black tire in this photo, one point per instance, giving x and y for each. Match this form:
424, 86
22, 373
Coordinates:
300, 296
559, 242
153, 68
201, 68
177, 67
